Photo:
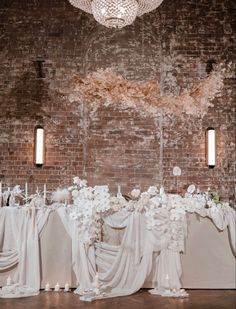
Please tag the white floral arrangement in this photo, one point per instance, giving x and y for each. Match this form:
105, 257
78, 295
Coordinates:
89, 204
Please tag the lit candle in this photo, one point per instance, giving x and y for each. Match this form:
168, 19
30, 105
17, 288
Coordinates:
47, 287
67, 287
57, 287
9, 280
44, 193
26, 192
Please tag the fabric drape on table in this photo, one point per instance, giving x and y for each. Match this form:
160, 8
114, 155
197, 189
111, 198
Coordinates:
130, 262
83, 259
222, 219
23, 227
8, 256
169, 270
8, 259
125, 268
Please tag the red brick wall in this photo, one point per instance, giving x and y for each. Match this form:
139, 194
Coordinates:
171, 44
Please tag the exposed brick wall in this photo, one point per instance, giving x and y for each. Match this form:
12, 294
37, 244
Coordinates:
171, 44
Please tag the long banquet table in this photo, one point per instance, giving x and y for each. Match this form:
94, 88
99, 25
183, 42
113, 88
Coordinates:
208, 261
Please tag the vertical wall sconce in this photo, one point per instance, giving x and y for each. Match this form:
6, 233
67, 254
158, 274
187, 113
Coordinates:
211, 147
39, 146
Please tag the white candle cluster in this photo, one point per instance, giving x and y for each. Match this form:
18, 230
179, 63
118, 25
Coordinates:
57, 288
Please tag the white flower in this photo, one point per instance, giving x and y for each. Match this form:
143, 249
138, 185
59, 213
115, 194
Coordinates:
144, 195
75, 193
135, 193
76, 180
79, 182
16, 190
191, 189
176, 171
152, 190
83, 183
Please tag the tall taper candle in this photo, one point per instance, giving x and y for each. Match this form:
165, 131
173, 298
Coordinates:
119, 192
44, 193
1, 202
26, 192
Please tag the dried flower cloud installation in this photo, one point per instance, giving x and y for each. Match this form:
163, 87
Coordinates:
104, 87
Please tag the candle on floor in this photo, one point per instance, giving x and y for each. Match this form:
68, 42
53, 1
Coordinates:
9, 280
167, 284
67, 287
57, 287
47, 287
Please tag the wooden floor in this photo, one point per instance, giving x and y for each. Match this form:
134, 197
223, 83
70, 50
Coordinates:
198, 299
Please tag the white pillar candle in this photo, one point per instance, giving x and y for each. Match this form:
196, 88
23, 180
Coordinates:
167, 284
44, 193
57, 287
9, 280
47, 287
67, 287
1, 202
26, 192
162, 191
96, 280
119, 192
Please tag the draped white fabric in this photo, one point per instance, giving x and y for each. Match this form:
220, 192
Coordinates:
123, 269
19, 235
152, 242
83, 261
226, 218
8, 259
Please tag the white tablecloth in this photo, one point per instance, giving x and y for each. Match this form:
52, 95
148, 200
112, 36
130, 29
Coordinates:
207, 263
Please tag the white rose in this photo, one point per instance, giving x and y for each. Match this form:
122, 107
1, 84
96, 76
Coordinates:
152, 190
75, 193
135, 193
76, 180
82, 183
176, 171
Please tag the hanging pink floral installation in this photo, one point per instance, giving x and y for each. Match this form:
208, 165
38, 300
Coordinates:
104, 87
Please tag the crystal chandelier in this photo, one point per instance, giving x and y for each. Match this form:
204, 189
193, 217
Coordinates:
116, 13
